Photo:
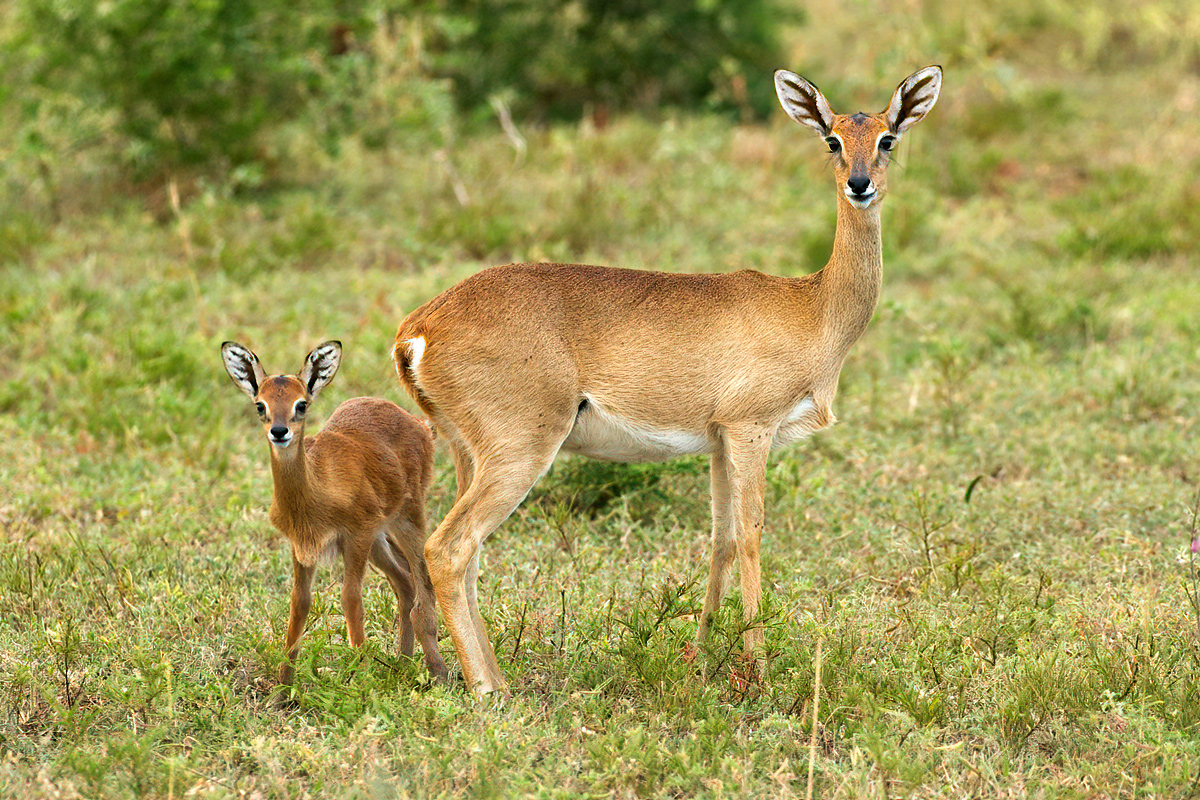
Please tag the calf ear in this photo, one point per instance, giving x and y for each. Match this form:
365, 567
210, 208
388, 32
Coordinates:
242, 365
320, 366
913, 99
803, 102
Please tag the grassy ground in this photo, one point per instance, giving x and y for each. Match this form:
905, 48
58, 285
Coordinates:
989, 549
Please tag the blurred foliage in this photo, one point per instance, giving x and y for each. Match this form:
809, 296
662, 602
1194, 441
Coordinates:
187, 81
376, 83
170, 85
198, 85
561, 57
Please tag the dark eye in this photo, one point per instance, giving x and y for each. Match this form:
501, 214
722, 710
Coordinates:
301, 407
834, 144
262, 409
887, 143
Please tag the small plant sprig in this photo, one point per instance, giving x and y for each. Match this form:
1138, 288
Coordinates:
1191, 583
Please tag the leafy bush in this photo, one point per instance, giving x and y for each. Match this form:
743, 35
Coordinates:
172, 84
559, 57
190, 81
376, 83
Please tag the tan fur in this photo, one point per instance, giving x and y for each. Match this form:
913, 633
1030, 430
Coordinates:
356, 489
520, 361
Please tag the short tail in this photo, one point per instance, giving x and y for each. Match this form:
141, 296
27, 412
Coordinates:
407, 355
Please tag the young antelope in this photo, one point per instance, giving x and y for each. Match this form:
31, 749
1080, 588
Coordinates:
356, 489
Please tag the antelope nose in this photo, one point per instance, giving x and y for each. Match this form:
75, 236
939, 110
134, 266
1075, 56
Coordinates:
279, 432
859, 184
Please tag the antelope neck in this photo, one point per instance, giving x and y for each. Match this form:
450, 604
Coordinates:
851, 280
290, 473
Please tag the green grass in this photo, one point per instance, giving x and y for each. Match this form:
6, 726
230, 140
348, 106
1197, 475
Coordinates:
989, 547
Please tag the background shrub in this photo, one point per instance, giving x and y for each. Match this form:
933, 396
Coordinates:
166, 85
187, 81
560, 57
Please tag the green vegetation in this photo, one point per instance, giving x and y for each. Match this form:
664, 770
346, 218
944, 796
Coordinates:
563, 57
186, 87
990, 548
184, 81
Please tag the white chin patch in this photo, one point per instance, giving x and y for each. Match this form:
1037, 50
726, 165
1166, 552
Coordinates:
861, 201
282, 444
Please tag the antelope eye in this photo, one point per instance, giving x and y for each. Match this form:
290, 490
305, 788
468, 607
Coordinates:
262, 409
834, 144
887, 143
301, 407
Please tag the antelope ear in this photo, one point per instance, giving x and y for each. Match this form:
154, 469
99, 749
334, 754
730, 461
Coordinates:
803, 102
320, 366
242, 365
913, 99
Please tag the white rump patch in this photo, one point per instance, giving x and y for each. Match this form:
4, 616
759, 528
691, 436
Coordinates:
801, 410
416, 349
605, 436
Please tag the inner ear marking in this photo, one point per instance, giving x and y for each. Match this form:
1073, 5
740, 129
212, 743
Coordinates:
914, 98
241, 364
803, 102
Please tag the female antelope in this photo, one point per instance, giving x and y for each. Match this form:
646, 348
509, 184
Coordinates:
519, 362
357, 489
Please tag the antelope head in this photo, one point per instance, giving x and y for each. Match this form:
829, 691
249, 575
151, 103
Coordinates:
282, 400
861, 144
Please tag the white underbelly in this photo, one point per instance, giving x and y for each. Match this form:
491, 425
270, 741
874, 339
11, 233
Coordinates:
600, 434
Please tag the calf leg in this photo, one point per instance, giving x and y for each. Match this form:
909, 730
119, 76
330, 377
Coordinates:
400, 579
302, 581
420, 615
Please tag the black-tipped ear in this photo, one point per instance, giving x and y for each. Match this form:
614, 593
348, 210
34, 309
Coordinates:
320, 366
242, 365
803, 102
913, 99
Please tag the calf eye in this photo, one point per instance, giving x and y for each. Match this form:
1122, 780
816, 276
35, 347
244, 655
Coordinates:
834, 144
262, 409
301, 407
887, 142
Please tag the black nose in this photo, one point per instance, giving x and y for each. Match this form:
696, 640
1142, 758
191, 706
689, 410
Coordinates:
859, 183
279, 431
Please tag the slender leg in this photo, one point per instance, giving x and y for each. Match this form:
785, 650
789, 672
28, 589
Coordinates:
747, 449
471, 585
421, 614
496, 490
724, 543
302, 581
352, 605
464, 468
397, 573
464, 473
